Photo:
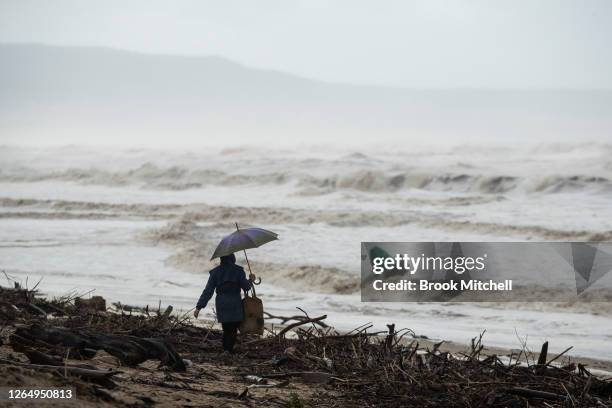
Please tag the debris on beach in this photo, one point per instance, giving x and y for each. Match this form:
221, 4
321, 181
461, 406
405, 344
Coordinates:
140, 357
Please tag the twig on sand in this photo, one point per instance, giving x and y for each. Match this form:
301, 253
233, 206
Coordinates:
285, 319
300, 323
82, 372
559, 355
526, 392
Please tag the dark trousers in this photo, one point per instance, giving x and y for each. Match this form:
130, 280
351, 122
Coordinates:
230, 331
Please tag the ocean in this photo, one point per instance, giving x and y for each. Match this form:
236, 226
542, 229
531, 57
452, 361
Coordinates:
139, 225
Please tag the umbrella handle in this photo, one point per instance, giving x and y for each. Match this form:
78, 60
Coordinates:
258, 280
253, 283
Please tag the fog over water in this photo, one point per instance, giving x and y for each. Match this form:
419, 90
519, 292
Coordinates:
85, 95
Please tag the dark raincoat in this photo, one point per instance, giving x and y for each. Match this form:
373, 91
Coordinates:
228, 279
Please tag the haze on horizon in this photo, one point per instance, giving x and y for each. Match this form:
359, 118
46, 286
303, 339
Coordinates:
409, 43
287, 72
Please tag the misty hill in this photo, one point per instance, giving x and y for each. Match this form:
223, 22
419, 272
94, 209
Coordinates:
81, 94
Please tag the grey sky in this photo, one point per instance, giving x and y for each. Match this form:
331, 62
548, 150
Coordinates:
429, 43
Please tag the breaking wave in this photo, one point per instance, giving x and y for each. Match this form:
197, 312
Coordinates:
467, 189
376, 181
148, 175
355, 172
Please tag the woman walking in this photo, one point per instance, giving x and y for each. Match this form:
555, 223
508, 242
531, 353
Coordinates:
228, 279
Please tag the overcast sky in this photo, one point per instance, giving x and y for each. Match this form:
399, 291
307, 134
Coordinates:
429, 43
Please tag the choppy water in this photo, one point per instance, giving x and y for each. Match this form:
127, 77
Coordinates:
139, 225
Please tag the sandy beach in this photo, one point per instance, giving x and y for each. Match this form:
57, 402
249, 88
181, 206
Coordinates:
45, 344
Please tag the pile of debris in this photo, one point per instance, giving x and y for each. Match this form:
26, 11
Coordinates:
370, 369
60, 339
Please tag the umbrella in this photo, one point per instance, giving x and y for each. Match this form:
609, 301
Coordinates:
243, 239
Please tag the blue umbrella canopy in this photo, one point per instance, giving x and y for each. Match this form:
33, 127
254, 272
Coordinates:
242, 239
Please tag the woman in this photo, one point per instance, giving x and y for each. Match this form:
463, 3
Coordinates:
228, 279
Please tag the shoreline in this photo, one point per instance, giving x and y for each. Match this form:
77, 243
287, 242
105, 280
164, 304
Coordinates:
312, 365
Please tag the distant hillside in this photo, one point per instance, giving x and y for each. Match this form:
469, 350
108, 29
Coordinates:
88, 94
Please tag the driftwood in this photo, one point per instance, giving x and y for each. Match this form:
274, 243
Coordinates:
96, 303
300, 323
541, 365
38, 357
526, 392
33, 308
167, 312
19, 301
129, 308
559, 355
130, 350
317, 377
285, 319
65, 369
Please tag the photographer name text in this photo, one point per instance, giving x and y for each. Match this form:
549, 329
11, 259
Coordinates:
452, 285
